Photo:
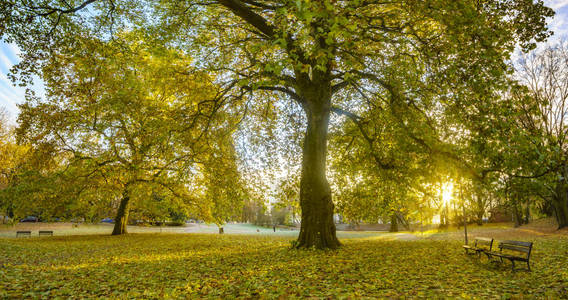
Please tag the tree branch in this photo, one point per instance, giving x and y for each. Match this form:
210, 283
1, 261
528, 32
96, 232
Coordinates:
287, 91
254, 19
357, 120
51, 10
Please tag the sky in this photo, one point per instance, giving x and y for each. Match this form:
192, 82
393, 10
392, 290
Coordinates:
11, 95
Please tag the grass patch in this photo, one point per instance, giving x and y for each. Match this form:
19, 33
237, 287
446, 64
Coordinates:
213, 266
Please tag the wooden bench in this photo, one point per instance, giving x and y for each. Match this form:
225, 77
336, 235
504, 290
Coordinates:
512, 248
480, 245
45, 232
23, 233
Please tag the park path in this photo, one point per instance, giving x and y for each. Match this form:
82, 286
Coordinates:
240, 229
405, 237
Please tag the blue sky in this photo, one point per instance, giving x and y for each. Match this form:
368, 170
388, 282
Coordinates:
11, 95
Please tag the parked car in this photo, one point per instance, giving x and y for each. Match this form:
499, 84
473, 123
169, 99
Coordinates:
30, 219
107, 220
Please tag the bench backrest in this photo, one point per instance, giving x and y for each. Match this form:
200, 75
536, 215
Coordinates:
45, 232
23, 232
480, 241
517, 246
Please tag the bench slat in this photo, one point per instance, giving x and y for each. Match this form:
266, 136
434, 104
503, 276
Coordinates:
514, 248
23, 232
482, 239
518, 243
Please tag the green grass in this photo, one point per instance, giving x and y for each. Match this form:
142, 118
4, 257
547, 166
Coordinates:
263, 266
66, 229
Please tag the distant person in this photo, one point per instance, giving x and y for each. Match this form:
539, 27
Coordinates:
274, 228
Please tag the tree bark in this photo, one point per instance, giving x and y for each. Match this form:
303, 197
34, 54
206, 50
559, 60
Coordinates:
479, 217
479, 209
121, 219
394, 223
527, 211
561, 205
317, 227
516, 215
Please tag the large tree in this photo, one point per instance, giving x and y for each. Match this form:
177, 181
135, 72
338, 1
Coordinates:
129, 117
318, 54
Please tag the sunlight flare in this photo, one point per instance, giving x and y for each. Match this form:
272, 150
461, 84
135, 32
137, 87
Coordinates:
447, 192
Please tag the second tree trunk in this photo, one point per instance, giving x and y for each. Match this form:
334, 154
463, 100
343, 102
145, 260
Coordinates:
121, 219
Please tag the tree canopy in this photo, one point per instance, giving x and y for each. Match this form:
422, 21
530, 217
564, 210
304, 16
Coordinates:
420, 74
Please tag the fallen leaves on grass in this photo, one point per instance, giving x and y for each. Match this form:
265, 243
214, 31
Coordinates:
212, 266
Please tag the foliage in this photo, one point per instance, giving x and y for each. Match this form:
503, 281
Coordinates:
411, 57
128, 119
24, 173
213, 266
223, 185
528, 135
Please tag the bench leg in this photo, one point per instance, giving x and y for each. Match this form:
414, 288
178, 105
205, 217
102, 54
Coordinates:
528, 266
513, 265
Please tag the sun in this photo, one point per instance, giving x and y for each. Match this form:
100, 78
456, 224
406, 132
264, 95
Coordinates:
447, 192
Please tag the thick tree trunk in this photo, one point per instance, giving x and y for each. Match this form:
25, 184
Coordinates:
479, 218
561, 205
479, 209
394, 223
527, 211
317, 228
517, 217
444, 217
121, 219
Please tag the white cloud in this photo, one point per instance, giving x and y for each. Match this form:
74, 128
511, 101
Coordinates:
14, 49
9, 104
5, 62
10, 95
556, 4
559, 24
9, 56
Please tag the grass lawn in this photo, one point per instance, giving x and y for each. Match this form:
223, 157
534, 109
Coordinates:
66, 229
262, 266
